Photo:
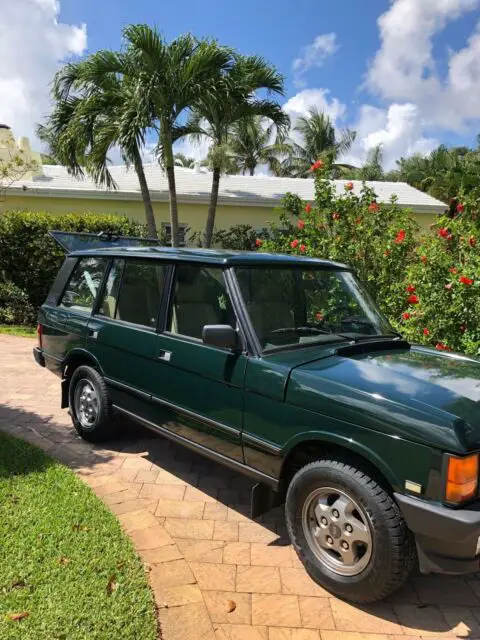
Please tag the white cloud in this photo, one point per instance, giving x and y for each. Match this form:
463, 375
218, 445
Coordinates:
404, 69
313, 55
320, 99
398, 129
32, 45
197, 151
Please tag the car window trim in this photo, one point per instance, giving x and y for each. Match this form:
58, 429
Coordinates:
126, 323
250, 337
103, 259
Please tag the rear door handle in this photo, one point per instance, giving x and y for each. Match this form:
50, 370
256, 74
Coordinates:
166, 356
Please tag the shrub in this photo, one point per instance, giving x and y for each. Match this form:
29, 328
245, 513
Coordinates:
376, 240
30, 258
239, 237
15, 307
445, 278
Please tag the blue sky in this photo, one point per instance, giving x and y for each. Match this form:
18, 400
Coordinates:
403, 73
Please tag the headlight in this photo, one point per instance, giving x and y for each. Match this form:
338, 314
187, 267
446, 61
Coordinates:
462, 478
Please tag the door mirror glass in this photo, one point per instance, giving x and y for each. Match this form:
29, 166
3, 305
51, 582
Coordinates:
220, 335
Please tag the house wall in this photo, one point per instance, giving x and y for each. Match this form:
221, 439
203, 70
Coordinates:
192, 214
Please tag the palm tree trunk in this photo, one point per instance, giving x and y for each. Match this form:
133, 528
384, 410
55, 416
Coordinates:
252, 171
170, 170
147, 201
212, 208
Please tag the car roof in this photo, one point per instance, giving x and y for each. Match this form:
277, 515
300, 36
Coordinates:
214, 256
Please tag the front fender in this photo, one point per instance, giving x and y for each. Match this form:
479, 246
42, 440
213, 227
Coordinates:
353, 444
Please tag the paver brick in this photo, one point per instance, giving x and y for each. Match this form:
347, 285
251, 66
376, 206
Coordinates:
275, 610
171, 574
215, 577
258, 579
189, 528
201, 550
179, 509
237, 553
229, 607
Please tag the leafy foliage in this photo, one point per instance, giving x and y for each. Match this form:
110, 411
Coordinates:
30, 258
14, 168
239, 237
444, 277
15, 307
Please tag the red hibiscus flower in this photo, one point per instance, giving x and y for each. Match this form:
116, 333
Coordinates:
308, 207
426, 332
319, 164
400, 237
472, 241
386, 252
319, 316
358, 221
302, 248
443, 232
410, 288
300, 224
441, 346
294, 244
258, 242
463, 328
423, 259
465, 280
406, 315
335, 216
348, 186
460, 208
413, 299
373, 208
453, 269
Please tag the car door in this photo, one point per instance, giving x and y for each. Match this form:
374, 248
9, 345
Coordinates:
122, 332
197, 388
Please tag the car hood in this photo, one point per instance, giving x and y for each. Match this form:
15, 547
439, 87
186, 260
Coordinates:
414, 393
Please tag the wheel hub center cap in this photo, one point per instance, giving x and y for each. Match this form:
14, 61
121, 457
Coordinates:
335, 531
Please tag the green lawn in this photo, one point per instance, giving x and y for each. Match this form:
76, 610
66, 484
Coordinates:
64, 560
18, 330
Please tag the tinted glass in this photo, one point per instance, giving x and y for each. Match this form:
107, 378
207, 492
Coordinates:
297, 306
108, 305
72, 241
199, 298
141, 292
83, 285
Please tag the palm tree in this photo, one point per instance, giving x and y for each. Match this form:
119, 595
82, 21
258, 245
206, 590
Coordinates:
171, 78
181, 160
318, 142
214, 116
256, 141
96, 110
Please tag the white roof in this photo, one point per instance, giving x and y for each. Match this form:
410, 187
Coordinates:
195, 186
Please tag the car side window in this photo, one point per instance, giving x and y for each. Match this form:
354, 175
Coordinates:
140, 291
199, 297
82, 288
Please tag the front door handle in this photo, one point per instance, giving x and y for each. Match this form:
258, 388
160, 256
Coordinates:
166, 356
93, 334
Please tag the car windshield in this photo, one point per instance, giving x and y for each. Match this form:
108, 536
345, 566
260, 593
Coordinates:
300, 306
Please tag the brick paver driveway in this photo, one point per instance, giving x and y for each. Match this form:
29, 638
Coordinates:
216, 574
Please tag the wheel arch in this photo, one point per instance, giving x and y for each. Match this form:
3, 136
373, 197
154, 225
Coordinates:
305, 448
75, 359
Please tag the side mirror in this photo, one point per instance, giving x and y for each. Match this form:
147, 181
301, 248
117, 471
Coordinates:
220, 335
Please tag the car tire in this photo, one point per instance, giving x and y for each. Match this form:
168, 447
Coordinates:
90, 406
365, 553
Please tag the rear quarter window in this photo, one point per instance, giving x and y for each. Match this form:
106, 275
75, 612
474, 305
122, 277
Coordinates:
83, 285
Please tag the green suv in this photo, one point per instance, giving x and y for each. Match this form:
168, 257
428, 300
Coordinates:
282, 368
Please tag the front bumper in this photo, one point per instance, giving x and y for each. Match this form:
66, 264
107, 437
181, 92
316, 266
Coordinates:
38, 355
447, 539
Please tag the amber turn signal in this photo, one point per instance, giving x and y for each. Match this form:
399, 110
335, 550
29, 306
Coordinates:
462, 478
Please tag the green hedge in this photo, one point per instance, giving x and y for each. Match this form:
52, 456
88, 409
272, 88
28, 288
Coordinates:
30, 258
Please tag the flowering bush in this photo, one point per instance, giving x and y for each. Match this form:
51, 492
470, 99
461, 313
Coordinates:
376, 240
445, 275
428, 285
